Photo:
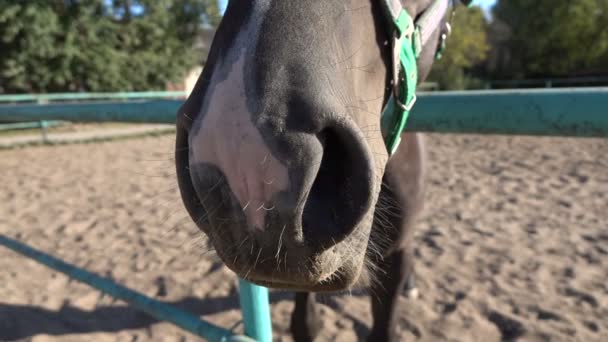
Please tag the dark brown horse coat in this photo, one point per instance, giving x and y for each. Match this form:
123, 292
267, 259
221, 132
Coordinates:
281, 161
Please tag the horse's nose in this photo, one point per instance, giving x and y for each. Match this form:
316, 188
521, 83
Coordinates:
308, 186
338, 193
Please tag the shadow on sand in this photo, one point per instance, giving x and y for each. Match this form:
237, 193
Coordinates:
23, 321
18, 322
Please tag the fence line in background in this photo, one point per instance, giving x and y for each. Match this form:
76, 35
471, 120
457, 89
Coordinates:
579, 112
44, 98
30, 125
549, 82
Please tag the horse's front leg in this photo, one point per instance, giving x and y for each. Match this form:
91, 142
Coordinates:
305, 320
400, 202
397, 273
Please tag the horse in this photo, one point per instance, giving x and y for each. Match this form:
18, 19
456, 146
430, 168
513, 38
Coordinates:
281, 157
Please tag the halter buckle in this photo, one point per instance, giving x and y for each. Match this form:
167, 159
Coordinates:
406, 107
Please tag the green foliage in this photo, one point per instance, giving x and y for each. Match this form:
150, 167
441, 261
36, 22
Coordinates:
212, 12
127, 45
554, 37
98, 45
465, 48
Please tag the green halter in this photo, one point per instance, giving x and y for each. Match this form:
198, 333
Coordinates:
408, 39
405, 78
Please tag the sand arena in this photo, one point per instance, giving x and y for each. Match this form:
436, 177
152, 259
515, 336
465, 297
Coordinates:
513, 243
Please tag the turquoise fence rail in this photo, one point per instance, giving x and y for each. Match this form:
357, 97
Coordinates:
154, 308
30, 125
43, 125
580, 112
591, 81
574, 112
91, 96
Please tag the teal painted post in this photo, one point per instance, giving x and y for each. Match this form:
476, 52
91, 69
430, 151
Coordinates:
43, 123
44, 127
154, 308
255, 308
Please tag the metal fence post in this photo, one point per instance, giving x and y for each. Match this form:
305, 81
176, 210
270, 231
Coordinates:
44, 125
255, 308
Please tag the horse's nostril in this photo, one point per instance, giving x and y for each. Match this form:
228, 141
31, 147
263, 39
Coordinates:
340, 194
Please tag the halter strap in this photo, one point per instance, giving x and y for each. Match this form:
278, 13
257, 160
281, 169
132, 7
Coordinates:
428, 23
408, 40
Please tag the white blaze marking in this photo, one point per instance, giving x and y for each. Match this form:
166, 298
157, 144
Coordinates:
228, 139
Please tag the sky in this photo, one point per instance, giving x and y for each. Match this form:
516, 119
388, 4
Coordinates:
485, 4
222, 5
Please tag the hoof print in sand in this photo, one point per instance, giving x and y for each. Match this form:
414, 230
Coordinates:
509, 328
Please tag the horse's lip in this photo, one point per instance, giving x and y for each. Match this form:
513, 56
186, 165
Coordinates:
327, 282
316, 287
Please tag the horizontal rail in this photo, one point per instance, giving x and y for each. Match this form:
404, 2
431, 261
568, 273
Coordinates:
90, 96
155, 111
157, 309
551, 81
30, 125
578, 112
574, 112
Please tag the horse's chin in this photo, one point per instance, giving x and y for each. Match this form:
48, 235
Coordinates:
339, 268
343, 278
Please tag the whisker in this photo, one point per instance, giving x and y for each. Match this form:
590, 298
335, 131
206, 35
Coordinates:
280, 242
263, 207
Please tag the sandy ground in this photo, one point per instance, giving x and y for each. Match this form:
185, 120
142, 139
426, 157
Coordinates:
513, 244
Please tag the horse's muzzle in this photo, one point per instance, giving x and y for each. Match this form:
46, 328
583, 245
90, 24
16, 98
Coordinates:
288, 211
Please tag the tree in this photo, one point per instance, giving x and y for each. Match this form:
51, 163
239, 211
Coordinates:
553, 37
98, 45
465, 48
212, 12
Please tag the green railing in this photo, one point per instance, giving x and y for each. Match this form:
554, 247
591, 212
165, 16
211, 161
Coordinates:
44, 98
11, 124
550, 82
580, 112
30, 125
